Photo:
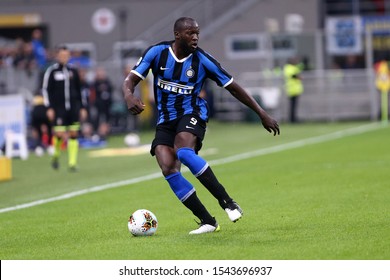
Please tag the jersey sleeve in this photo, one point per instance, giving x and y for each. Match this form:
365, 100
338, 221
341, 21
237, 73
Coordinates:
215, 71
141, 69
47, 87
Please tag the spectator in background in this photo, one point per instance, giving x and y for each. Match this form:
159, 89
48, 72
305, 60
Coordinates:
24, 58
306, 65
103, 97
50, 59
3, 56
42, 129
131, 122
39, 50
350, 62
293, 85
79, 59
382, 83
85, 90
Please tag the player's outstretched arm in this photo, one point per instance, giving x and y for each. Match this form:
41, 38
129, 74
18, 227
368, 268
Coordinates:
238, 92
134, 104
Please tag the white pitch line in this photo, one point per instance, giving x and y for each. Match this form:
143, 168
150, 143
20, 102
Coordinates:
299, 143
265, 151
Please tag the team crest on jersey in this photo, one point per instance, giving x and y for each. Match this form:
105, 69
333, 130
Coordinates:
190, 73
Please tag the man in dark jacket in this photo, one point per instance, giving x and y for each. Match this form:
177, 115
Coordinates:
62, 94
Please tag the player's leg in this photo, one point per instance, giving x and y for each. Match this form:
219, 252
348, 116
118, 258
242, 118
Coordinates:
73, 146
187, 143
162, 148
58, 140
59, 136
183, 189
293, 109
202, 171
210, 181
73, 142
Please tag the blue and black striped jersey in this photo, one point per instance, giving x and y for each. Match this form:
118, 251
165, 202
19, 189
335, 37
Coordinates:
178, 83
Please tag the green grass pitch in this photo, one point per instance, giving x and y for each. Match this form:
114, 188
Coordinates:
326, 199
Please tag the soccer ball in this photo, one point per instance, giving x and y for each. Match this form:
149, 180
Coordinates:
142, 222
131, 140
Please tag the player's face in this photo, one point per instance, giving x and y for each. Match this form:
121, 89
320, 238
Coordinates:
63, 56
189, 37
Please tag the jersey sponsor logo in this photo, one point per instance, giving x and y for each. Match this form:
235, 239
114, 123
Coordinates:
59, 76
163, 68
174, 87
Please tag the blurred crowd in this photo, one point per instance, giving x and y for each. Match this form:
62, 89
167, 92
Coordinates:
105, 113
26, 55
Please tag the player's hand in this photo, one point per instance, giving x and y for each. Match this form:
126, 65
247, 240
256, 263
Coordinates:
271, 125
134, 104
50, 114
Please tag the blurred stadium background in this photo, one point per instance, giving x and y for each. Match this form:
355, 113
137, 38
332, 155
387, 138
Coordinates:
338, 43
323, 194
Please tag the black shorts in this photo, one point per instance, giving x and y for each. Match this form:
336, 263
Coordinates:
66, 118
166, 132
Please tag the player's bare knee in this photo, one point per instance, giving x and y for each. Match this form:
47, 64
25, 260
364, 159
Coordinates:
168, 170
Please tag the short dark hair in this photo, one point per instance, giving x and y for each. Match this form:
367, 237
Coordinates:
61, 47
181, 22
